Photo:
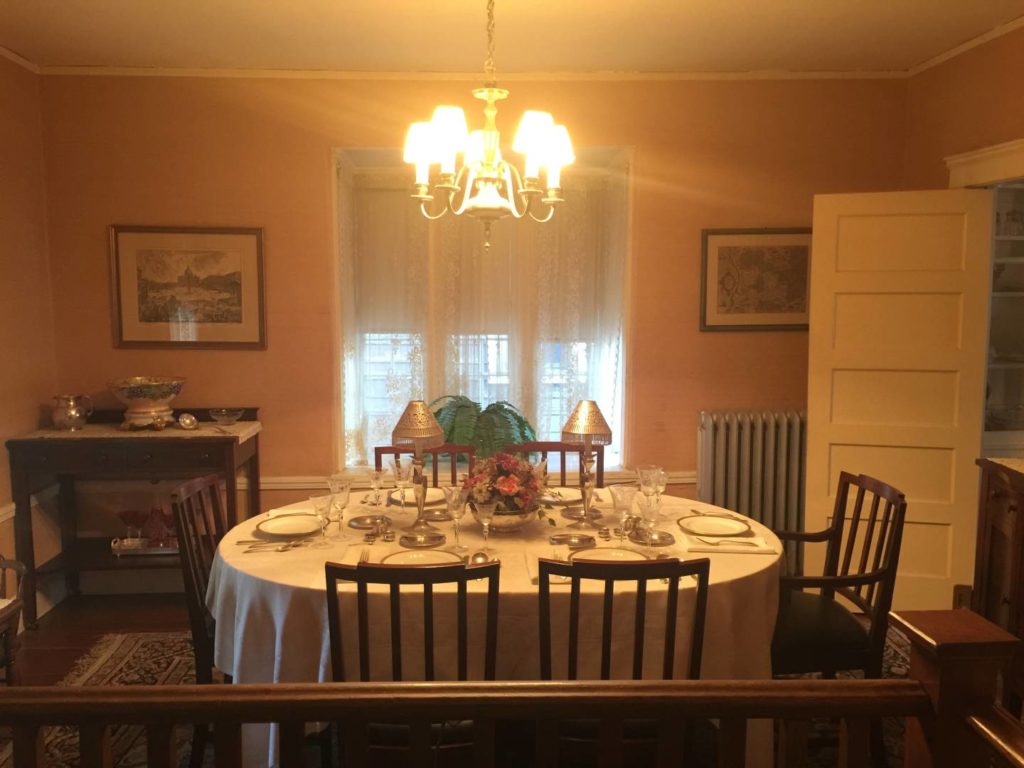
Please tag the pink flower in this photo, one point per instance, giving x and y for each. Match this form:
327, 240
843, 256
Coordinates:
507, 461
509, 485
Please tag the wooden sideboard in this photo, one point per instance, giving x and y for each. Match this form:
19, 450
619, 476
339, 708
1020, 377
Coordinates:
102, 451
998, 593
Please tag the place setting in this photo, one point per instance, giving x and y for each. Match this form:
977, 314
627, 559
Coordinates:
718, 531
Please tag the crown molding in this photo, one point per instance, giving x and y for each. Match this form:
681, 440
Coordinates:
21, 61
999, 31
986, 166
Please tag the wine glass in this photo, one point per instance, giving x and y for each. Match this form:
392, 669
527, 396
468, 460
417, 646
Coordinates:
455, 497
402, 474
648, 475
659, 487
322, 510
376, 483
484, 513
622, 500
650, 506
340, 492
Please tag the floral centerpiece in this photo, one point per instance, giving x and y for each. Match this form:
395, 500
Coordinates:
512, 484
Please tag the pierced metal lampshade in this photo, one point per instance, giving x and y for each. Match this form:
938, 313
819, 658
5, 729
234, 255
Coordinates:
417, 428
586, 424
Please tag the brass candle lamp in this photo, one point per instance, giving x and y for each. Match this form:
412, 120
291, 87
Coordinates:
586, 426
418, 429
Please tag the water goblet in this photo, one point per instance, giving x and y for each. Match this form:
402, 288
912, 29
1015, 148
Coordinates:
660, 483
340, 492
402, 474
622, 500
484, 513
648, 475
322, 510
455, 497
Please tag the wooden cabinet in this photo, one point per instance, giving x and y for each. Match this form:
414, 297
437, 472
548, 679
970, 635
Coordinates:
102, 451
998, 590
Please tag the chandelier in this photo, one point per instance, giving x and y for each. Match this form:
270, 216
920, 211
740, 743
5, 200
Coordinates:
487, 186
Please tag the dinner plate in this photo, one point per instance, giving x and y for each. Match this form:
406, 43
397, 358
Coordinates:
562, 495
618, 554
289, 526
421, 557
708, 525
434, 496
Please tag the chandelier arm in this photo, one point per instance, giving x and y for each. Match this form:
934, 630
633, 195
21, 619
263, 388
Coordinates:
515, 193
433, 216
546, 218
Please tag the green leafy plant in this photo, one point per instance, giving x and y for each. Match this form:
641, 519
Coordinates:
488, 429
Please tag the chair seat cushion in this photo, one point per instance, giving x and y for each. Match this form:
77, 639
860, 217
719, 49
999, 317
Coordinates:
816, 634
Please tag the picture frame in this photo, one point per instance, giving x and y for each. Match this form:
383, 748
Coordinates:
755, 279
187, 287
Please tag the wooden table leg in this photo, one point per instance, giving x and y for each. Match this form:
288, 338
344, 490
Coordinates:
68, 528
253, 477
24, 547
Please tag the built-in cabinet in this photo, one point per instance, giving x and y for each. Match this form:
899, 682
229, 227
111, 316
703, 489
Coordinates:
1004, 394
998, 590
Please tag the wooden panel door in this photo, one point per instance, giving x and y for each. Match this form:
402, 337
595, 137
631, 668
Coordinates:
896, 372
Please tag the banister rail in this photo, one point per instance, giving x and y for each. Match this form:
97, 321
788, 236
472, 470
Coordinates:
1003, 734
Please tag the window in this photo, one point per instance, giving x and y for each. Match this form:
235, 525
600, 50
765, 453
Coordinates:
428, 311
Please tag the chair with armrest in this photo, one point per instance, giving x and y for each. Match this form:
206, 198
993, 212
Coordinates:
815, 632
580, 740
449, 451
452, 744
200, 522
562, 450
10, 614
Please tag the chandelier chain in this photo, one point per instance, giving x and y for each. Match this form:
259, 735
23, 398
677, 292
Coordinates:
489, 61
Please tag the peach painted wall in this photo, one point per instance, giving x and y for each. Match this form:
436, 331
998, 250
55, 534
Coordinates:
235, 151
969, 102
28, 375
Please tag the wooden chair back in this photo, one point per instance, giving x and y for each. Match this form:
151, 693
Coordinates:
451, 451
610, 574
863, 548
562, 450
199, 518
395, 577
10, 613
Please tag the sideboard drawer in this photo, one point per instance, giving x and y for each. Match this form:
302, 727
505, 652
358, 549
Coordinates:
79, 457
169, 458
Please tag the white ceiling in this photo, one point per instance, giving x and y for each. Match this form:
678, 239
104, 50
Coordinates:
533, 36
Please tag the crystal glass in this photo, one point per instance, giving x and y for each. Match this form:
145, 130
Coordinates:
376, 483
402, 473
661, 483
484, 513
322, 510
340, 493
455, 497
648, 475
650, 506
622, 500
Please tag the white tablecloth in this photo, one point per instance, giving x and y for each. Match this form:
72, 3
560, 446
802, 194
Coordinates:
271, 610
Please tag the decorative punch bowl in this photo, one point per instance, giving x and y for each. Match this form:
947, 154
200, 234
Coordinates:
147, 398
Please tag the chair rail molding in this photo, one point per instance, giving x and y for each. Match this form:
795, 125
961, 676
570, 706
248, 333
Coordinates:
988, 165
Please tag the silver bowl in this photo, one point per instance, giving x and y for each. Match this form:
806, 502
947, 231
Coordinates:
507, 522
147, 398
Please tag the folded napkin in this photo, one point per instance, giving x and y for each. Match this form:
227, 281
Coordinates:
738, 545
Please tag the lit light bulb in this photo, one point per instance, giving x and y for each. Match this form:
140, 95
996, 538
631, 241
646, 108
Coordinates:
449, 135
418, 150
531, 138
557, 155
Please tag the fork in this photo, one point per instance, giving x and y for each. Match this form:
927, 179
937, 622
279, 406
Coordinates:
726, 542
364, 556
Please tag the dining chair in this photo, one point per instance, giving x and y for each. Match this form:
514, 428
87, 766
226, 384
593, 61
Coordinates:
448, 451
10, 614
450, 744
815, 631
199, 519
562, 450
580, 740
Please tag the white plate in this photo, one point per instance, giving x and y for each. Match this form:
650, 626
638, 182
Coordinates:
562, 495
708, 525
434, 496
289, 526
421, 557
619, 554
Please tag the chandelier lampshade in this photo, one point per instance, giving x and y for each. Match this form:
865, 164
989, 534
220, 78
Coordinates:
485, 185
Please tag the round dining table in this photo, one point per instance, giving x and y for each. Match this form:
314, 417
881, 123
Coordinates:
270, 608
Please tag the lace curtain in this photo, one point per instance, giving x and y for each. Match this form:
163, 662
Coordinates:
535, 320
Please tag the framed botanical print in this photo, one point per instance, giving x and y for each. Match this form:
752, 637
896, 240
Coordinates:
192, 287
755, 279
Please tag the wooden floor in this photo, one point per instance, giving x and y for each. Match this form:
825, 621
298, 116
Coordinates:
65, 633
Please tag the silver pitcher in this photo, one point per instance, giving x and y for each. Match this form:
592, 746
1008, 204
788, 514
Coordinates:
71, 411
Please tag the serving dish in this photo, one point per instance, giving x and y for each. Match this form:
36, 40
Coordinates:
226, 416
147, 398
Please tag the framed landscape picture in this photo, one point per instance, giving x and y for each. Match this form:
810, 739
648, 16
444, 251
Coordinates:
754, 279
198, 287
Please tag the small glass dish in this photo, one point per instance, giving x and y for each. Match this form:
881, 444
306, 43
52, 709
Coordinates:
226, 416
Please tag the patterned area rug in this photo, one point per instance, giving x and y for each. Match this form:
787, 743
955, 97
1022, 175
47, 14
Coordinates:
154, 658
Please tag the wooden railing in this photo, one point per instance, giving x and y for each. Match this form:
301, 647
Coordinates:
948, 706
